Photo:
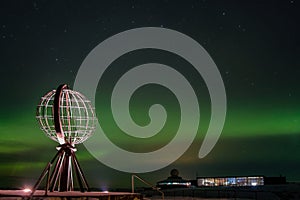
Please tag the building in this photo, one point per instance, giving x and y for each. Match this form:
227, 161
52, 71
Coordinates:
174, 181
230, 181
239, 181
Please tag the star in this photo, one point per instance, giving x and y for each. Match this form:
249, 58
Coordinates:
241, 28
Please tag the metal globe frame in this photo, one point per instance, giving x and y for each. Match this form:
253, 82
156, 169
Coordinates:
58, 121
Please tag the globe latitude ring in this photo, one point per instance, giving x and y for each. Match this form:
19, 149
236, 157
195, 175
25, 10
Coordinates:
109, 50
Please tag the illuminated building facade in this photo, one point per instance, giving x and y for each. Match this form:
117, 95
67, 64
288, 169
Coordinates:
231, 181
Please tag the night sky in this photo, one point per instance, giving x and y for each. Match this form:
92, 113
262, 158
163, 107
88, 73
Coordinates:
255, 45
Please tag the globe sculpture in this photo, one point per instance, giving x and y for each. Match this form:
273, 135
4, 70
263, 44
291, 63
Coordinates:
67, 117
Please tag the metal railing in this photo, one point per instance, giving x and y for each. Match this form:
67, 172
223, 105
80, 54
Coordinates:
147, 183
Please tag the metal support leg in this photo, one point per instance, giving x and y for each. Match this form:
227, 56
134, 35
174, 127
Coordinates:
79, 174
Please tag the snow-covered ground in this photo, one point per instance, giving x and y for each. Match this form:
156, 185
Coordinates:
266, 192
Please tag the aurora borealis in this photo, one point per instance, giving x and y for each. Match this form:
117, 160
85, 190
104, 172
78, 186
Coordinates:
255, 45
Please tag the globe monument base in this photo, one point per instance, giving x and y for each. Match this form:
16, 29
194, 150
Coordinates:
61, 177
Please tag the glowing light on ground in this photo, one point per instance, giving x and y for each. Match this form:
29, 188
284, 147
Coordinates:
26, 190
